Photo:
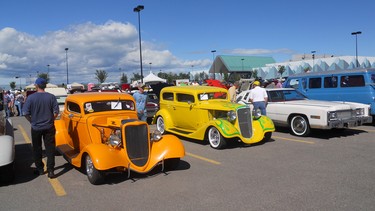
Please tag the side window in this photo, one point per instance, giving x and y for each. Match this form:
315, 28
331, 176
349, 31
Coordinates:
352, 81
168, 96
185, 98
73, 107
315, 83
330, 82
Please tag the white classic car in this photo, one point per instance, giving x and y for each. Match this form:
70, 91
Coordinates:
7, 150
288, 107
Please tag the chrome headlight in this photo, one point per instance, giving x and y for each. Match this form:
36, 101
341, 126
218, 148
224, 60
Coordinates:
332, 115
257, 113
115, 139
231, 115
360, 111
156, 135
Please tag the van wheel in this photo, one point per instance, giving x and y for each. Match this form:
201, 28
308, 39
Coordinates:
300, 126
217, 141
95, 176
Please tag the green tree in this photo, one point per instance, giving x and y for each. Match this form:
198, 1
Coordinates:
136, 77
306, 69
12, 85
226, 77
255, 74
124, 78
281, 70
44, 75
101, 75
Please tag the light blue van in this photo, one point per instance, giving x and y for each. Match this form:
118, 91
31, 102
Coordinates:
355, 85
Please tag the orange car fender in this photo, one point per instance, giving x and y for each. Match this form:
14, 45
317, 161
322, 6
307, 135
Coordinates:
168, 147
106, 157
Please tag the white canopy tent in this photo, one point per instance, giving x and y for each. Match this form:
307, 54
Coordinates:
49, 85
151, 78
75, 85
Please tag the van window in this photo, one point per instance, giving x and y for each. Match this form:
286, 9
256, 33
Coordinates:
315, 83
352, 81
330, 82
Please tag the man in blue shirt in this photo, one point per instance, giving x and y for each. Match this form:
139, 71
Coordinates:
140, 100
41, 109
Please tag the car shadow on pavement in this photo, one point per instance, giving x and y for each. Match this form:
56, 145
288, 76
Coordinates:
115, 177
22, 164
327, 134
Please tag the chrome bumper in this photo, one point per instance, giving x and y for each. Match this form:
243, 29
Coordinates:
354, 122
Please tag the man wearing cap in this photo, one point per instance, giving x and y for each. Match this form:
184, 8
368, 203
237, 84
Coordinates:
140, 101
259, 97
41, 109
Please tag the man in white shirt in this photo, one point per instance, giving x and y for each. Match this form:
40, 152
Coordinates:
259, 97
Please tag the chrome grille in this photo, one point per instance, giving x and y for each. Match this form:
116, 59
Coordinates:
344, 114
137, 146
244, 122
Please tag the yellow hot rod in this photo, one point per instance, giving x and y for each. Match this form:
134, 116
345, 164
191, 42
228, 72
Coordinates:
101, 132
205, 113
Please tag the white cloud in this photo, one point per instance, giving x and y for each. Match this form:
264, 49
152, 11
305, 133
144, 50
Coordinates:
110, 46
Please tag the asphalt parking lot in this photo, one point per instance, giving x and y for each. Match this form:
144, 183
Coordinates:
331, 170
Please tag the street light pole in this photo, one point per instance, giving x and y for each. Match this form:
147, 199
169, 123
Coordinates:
20, 81
242, 64
67, 69
356, 46
150, 65
138, 9
213, 61
313, 57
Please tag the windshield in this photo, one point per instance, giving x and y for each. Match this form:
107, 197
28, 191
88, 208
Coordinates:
212, 96
99, 106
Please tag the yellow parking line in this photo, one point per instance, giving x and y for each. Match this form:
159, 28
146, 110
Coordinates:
203, 158
56, 185
296, 140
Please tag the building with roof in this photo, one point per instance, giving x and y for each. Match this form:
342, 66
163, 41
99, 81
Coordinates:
267, 68
240, 65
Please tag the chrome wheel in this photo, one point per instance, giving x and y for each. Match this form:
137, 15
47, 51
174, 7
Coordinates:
300, 126
216, 140
94, 176
160, 124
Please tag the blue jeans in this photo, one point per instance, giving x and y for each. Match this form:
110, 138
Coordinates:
260, 105
142, 116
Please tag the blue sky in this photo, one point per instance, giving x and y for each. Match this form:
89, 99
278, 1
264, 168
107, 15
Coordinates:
177, 36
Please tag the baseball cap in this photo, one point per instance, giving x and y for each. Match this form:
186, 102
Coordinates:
256, 83
40, 81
